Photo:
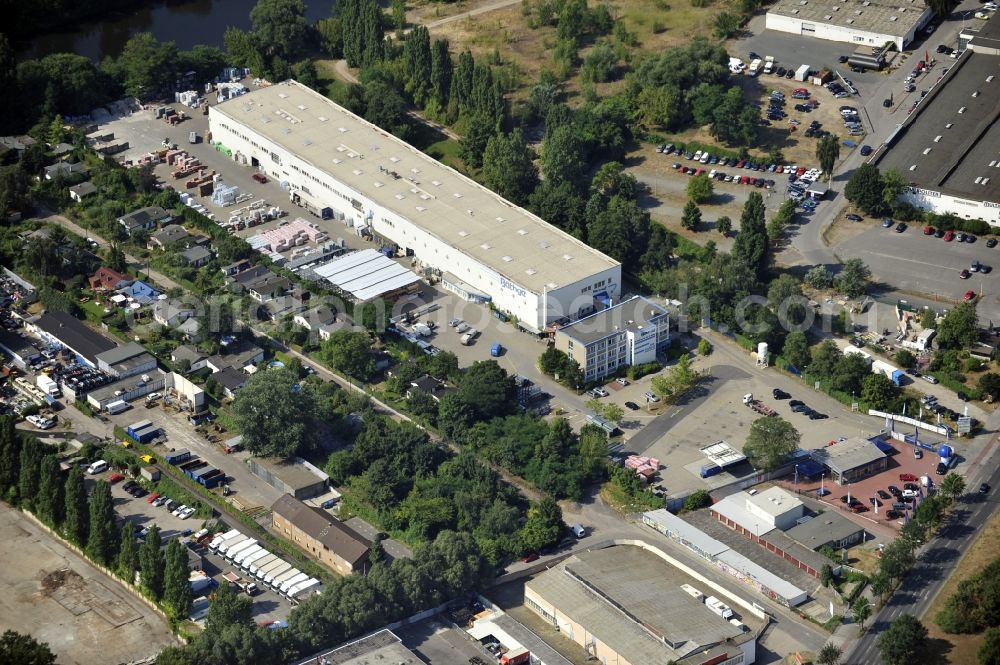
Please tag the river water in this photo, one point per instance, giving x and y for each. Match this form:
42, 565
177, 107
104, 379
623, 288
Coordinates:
186, 22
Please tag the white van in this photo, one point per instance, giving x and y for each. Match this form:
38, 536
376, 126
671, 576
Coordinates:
100, 466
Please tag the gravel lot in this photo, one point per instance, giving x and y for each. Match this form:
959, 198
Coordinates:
58, 597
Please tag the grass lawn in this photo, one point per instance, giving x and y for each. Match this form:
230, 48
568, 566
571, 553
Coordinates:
93, 311
960, 649
614, 496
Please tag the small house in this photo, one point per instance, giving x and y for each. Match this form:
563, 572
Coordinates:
169, 236
231, 381
106, 279
145, 218
64, 170
79, 192
196, 257
141, 292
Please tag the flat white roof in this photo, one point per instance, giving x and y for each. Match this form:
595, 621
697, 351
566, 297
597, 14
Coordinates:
457, 210
733, 507
722, 454
662, 519
366, 274
774, 501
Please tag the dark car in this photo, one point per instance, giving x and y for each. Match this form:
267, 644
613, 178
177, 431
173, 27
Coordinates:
875, 502
329, 503
794, 403
970, 238
882, 494
895, 491
778, 393
854, 218
780, 72
789, 74
815, 415
962, 396
900, 227
984, 488
138, 492
940, 233
842, 59
866, 150
800, 408
128, 485
893, 515
991, 243
843, 499
528, 558
913, 487
632, 406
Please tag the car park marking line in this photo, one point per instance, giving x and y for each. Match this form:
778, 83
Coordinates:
903, 258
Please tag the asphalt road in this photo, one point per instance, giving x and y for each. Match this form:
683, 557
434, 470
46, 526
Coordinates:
935, 563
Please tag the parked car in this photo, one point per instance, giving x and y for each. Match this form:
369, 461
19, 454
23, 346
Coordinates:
854, 218
631, 406
651, 396
866, 150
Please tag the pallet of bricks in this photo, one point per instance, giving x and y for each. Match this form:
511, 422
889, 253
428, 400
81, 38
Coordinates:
644, 467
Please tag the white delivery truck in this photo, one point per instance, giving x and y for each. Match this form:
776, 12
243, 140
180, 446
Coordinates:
221, 538
264, 569
48, 385
719, 607
768, 64
234, 550
289, 583
117, 406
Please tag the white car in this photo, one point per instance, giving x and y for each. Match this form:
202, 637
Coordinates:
697, 156
186, 513
983, 15
651, 397
41, 422
704, 158
622, 381
992, 6
178, 510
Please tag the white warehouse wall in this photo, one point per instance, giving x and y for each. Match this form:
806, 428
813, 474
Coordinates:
322, 189
837, 33
937, 202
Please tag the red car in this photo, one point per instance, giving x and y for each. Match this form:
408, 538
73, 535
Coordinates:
260, 177
528, 558
949, 236
969, 295
908, 477
153, 497
929, 230
965, 274
115, 478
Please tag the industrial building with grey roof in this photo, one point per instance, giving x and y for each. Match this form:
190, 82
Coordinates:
334, 160
947, 148
626, 604
851, 459
859, 22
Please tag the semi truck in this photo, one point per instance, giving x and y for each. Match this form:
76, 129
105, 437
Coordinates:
289, 583
239, 541
246, 586
894, 374
303, 589
261, 571
277, 580
249, 560
758, 406
245, 554
719, 607
48, 385
275, 572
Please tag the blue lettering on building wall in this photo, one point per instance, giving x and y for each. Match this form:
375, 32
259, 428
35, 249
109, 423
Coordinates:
507, 284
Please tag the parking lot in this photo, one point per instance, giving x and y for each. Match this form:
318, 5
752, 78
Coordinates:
268, 606
914, 262
57, 597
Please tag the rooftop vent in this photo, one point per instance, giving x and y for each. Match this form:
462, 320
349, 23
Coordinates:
567, 257
993, 163
849, 21
414, 170
522, 232
341, 148
985, 180
486, 245
545, 245
551, 285
978, 179
394, 159
421, 208
464, 234
414, 190
400, 197
507, 259
378, 184
322, 118
961, 110
336, 161
342, 130
307, 142
948, 126
302, 107
356, 171
975, 94
989, 79
531, 271
469, 212
282, 95
501, 220
436, 183
937, 139
795, 11
425, 197
892, 18
913, 168
457, 195
828, 17
927, 151
858, 12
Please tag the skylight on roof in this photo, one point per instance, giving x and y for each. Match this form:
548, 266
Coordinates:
913, 168
282, 95
378, 184
400, 197
507, 259
322, 118
486, 245
567, 257
336, 161
394, 159
501, 220
436, 183
457, 195
937, 139
463, 233
302, 107
421, 208
522, 232
531, 271
356, 171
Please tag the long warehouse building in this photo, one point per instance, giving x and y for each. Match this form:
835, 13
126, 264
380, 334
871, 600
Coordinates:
486, 248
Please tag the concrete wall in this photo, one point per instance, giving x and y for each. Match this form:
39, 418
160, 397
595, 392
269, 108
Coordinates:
186, 391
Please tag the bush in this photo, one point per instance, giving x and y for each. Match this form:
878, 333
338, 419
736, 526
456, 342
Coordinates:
699, 499
704, 347
638, 371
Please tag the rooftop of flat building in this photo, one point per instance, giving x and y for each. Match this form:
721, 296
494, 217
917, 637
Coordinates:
891, 17
457, 210
633, 314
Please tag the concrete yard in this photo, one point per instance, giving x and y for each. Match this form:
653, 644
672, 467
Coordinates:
56, 596
438, 643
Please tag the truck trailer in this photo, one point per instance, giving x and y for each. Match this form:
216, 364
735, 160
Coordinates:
802, 73
255, 567
234, 551
303, 589
221, 538
232, 543
894, 374
264, 570
48, 385
245, 554
719, 607
278, 580
274, 573
289, 583
251, 558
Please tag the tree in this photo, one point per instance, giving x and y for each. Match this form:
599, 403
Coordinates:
751, 246
508, 167
417, 62
176, 582
486, 389
362, 28
700, 189
128, 554
600, 65
542, 526
903, 641
77, 523
677, 381
861, 610
691, 217
698, 499
724, 225
818, 277
51, 502
230, 608
829, 655
612, 412
989, 651
894, 183
102, 541
827, 153
770, 442
952, 485
864, 189
988, 385
281, 27
441, 72
959, 329
704, 347
148, 66
878, 391
386, 108
472, 146
331, 36
151, 564
905, 358
563, 158
826, 575
30, 468
726, 25
398, 9
24, 650
853, 278
277, 413
796, 349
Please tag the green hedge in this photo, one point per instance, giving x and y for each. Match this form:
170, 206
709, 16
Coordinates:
954, 384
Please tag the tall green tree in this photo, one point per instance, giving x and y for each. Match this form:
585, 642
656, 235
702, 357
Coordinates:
827, 153
865, 189
102, 539
563, 156
281, 27
770, 443
472, 146
677, 381
508, 167
952, 485
31, 466
441, 72
51, 502
796, 349
362, 30
148, 65
621, 230
989, 651
229, 608
691, 217
77, 523
960, 328
903, 641
151, 564
861, 610
19, 649
751, 246
277, 414
542, 527
10, 454
417, 62
699, 188
878, 391
853, 278
829, 654
128, 554
176, 582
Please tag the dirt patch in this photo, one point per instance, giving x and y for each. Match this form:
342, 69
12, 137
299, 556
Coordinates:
841, 229
59, 579
961, 649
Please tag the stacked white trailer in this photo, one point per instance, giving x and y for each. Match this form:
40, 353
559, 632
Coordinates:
257, 565
274, 573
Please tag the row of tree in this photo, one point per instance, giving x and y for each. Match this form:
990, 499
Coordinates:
31, 478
